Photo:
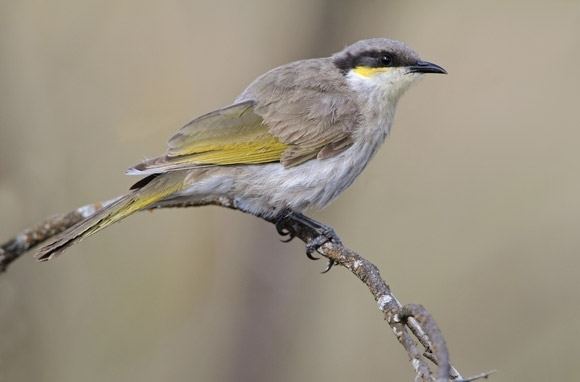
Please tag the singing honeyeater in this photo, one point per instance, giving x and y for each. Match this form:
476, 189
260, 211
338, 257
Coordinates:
295, 138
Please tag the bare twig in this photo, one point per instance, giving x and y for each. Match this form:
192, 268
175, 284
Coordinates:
400, 318
477, 377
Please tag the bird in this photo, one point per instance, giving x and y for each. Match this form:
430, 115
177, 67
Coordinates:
294, 139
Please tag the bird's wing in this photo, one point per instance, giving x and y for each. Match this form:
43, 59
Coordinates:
290, 125
312, 123
232, 135
308, 106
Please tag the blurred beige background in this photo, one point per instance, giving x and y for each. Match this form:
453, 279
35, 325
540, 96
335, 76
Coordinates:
471, 208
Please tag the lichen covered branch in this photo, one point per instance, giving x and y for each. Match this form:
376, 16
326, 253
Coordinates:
413, 325
31, 237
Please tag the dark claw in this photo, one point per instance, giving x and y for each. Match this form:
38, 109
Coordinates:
284, 231
290, 237
329, 265
309, 253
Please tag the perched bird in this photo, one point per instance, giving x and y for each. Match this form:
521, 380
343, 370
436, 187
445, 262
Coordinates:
295, 138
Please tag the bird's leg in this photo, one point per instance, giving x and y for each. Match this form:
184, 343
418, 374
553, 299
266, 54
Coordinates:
291, 223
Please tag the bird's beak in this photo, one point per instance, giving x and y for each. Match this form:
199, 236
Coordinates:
426, 67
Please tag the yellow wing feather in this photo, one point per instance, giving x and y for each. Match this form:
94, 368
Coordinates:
233, 135
263, 150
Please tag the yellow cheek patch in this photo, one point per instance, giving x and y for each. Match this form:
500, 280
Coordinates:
367, 71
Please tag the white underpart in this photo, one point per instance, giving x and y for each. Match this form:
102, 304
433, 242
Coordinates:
266, 189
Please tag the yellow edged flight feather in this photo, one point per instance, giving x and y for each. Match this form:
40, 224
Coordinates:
233, 135
155, 190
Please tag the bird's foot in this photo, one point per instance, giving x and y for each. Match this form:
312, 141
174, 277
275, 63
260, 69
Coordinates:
326, 234
290, 223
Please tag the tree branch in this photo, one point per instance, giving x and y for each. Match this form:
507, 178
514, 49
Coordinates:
407, 322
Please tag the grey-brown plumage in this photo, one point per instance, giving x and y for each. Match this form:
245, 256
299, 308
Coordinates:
307, 105
295, 138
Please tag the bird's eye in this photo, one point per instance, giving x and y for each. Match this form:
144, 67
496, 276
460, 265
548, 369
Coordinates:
386, 60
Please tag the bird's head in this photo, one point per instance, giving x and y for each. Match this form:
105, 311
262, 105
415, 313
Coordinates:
381, 67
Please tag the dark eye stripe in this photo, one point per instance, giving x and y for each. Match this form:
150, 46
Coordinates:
372, 59
375, 59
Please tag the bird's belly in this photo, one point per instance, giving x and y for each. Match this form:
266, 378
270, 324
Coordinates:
312, 184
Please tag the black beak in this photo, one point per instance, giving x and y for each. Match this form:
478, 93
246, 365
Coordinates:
426, 67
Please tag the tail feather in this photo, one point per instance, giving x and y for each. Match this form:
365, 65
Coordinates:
120, 209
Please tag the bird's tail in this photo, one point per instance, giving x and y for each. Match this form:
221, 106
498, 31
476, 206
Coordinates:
138, 199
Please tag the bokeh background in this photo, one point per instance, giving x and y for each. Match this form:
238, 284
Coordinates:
471, 208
